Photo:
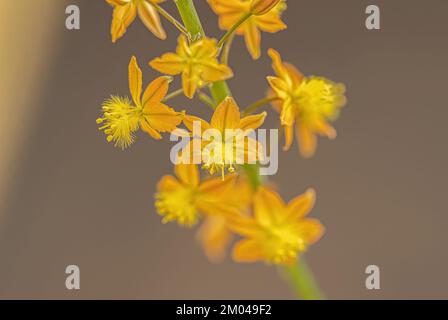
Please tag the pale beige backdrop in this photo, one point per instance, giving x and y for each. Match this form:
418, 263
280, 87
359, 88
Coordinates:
68, 197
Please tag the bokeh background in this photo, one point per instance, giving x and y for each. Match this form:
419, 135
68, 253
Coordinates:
68, 197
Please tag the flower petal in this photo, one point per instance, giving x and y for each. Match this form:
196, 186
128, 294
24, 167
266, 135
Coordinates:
289, 132
253, 122
135, 80
307, 140
216, 188
247, 251
147, 128
169, 63
253, 39
301, 205
268, 206
214, 237
191, 121
157, 90
271, 22
226, 116
122, 17
188, 174
150, 17
311, 230
190, 81
161, 117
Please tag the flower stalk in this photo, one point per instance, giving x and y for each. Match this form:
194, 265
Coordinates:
171, 19
299, 277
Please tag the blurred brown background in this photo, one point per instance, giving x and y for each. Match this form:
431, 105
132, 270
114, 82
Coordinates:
68, 197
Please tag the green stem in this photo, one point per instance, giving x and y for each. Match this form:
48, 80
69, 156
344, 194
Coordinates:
173, 95
207, 100
302, 281
171, 19
219, 90
253, 107
232, 30
190, 18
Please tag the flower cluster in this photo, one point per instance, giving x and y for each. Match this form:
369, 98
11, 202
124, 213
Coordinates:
237, 202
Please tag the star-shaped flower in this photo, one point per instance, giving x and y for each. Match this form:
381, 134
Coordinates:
268, 19
277, 232
306, 103
197, 62
122, 118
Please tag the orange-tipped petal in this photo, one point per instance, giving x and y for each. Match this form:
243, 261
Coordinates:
226, 116
122, 17
150, 17
289, 137
253, 39
157, 90
301, 205
253, 122
135, 80
307, 141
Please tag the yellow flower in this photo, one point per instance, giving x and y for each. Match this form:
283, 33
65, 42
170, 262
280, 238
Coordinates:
125, 12
232, 11
122, 118
226, 140
197, 62
308, 103
185, 198
214, 234
277, 233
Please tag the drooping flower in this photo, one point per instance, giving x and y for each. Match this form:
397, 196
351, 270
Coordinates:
214, 234
185, 198
267, 17
125, 12
306, 103
277, 233
226, 141
122, 118
197, 62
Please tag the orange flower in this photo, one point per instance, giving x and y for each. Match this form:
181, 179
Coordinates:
226, 140
197, 62
125, 12
232, 12
122, 118
306, 103
185, 198
277, 232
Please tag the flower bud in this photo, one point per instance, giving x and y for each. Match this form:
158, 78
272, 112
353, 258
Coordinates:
261, 7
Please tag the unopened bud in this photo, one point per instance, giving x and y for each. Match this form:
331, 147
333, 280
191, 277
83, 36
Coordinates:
261, 7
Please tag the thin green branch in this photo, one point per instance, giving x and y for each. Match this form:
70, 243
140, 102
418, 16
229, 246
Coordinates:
232, 30
173, 94
171, 19
226, 50
260, 103
207, 100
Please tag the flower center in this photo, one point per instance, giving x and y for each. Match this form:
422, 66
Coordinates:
179, 205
